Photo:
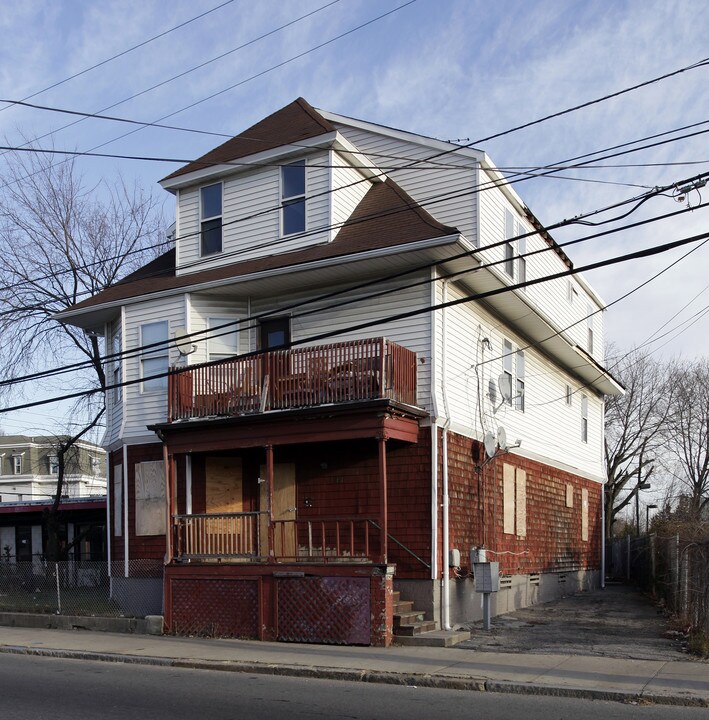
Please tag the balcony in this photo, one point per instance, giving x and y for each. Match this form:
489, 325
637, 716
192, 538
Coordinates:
359, 370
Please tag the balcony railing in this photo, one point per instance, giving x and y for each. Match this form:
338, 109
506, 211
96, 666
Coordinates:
300, 377
246, 536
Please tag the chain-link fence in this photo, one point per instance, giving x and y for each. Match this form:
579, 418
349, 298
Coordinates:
671, 568
89, 588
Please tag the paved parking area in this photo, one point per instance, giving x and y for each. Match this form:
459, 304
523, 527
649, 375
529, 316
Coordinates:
617, 622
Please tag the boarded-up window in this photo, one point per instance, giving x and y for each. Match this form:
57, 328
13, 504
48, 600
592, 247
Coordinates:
150, 508
223, 485
508, 495
584, 515
521, 502
569, 495
514, 494
118, 500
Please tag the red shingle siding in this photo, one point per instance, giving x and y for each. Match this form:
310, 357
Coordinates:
553, 541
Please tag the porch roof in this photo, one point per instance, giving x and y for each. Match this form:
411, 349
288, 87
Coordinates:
380, 418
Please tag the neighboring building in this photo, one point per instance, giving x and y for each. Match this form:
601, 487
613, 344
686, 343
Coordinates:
29, 468
298, 433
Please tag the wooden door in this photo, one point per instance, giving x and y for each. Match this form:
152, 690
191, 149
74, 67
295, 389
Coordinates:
284, 508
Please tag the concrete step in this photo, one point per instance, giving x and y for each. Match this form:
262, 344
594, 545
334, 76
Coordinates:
405, 618
434, 638
415, 628
403, 606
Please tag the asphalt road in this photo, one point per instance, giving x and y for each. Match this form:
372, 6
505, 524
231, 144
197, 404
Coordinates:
58, 689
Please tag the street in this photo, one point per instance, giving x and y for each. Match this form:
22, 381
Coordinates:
59, 689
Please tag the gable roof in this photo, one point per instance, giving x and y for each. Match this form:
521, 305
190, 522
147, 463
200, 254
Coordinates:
385, 217
289, 125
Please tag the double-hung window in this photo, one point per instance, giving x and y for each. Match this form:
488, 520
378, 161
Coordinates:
116, 352
509, 248
210, 214
154, 361
521, 260
222, 341
584, 418
17, 464
293, 198
53, 464
589, 328
519, 388
507, 357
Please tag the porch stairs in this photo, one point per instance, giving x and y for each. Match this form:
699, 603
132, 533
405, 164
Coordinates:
410, 627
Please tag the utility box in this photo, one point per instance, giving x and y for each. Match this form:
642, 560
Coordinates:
487, 577
454, 558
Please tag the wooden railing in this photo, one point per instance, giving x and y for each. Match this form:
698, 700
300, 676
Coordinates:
217, 535
326, 540
300, 377
245, 535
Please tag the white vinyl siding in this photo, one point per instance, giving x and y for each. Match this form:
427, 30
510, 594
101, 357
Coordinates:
204, 307
448, 195
349, 189
251, 216
114, 373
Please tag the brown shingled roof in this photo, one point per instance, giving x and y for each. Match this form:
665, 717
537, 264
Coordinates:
386, 217
291, 124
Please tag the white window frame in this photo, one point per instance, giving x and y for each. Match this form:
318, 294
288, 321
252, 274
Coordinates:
589, 329
210, 219
116, 373
17, 464
287, 200
53, 462
571, 292
216, 321
509, 247
519, 389
151, 355
508, 367
584, 418
521, 260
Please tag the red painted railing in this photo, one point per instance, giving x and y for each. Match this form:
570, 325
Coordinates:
300, 377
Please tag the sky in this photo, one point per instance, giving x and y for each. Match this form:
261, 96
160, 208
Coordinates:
457, 70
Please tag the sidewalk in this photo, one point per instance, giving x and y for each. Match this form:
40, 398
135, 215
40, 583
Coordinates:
625, 680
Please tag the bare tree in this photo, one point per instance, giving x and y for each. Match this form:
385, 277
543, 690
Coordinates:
62, 241
688, 439
635, 426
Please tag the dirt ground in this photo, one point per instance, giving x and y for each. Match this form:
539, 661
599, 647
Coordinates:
617, 621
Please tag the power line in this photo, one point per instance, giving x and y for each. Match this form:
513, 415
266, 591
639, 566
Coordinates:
647, 252
116, 56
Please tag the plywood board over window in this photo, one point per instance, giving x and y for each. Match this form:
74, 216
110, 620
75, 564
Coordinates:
508, 498
521, 502
150, 509
584, 515
224, 492
569, 495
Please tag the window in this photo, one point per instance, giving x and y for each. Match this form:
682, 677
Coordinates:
507, 371
53, 465
293, 198
509, 248
222, 343
17, 464
211, 219
584, 418
155, 359
519, 389
571, 292
115, 351
275, 332
569, 394
23, 543
589, 327
521, 261
514, 500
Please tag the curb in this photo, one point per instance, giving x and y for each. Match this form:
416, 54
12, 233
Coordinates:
423, 680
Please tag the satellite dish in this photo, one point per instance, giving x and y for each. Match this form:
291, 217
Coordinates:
489, 442
504, 382
502, 437
183, 342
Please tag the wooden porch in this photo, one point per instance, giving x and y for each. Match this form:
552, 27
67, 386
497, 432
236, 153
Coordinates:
359, 370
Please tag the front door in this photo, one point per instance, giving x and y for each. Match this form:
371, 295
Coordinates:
284, 509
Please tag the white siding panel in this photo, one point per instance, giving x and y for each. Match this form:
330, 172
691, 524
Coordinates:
447, 193
114, 404
145, 408
205, 306
349, 189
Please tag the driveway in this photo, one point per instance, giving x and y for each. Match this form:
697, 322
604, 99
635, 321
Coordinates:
618, 622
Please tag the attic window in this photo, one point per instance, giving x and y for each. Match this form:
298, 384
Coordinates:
53, 465
293, 198
17, 464
211, 219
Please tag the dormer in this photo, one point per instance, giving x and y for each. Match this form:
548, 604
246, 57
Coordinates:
288, 182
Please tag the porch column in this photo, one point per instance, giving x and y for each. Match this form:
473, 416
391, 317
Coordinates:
169, 460
269, 481
383, 511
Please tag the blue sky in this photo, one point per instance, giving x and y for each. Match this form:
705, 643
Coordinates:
451, 69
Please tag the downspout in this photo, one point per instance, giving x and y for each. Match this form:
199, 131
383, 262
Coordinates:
434, 441
444, 458
603, 497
